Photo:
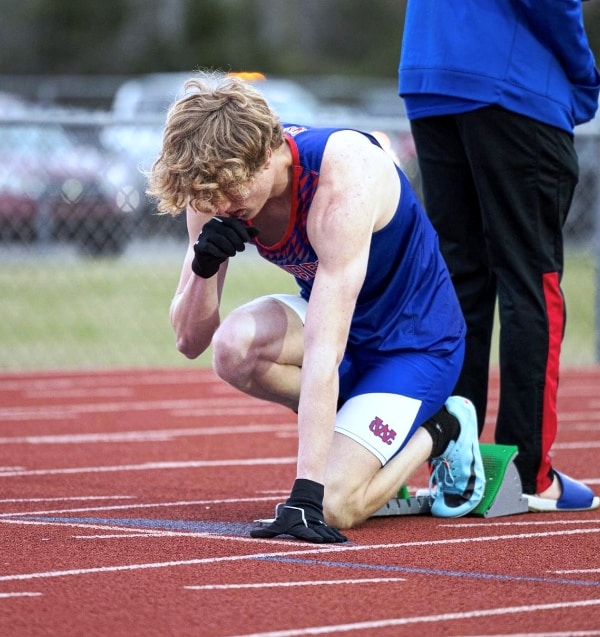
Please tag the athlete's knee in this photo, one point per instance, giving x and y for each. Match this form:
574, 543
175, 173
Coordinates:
234, 348
342, 508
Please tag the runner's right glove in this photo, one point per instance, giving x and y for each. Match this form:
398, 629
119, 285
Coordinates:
220, 238
302, 517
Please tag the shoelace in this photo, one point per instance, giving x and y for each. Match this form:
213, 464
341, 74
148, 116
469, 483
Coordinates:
441, 475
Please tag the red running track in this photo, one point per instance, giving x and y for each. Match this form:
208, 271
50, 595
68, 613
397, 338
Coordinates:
127, 497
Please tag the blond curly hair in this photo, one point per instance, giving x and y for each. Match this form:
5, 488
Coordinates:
216, 138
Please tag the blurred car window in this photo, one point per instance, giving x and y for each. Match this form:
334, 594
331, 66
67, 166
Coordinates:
56, 186
153, 94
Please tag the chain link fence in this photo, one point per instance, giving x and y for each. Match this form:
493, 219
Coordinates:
88, 270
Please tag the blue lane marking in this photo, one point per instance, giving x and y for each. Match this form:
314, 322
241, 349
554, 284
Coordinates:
431, 571
241, 529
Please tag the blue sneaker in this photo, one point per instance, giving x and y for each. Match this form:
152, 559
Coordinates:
457, 480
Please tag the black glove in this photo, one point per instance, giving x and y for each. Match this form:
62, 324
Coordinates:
302, 516
220, 238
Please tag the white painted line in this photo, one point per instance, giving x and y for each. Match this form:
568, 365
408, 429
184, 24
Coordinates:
119, 536
430, 619
570, 633
583, 444
576, 570
549, 522
83, 498
225, 587
151, 466
320, 550
80, 392
7, 595
225, 406
32, 384
570, 416
108, 391
124, 531
576, 633
130, 507
148, 435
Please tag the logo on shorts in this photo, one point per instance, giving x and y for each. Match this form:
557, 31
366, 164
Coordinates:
382, 431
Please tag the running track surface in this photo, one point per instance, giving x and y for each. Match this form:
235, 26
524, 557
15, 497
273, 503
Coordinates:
127, 498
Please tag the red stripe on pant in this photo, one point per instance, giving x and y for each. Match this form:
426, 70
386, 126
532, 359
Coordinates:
555, 311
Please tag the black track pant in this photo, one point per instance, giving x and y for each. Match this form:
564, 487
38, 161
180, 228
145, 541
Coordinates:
497, 187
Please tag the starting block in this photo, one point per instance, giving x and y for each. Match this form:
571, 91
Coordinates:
503, 493
405, 504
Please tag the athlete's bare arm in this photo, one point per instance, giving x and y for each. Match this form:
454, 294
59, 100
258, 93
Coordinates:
358, 193
195, 308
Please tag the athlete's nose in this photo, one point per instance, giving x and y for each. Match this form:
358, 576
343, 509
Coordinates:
224, 207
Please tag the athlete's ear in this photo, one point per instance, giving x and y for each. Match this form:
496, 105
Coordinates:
269, 156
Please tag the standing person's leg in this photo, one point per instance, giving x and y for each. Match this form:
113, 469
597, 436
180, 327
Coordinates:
525, 174
452, 204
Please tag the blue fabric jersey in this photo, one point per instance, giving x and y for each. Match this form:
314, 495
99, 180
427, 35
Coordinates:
531, 57
407, 302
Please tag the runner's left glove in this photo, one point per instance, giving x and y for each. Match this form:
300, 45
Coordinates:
302, 517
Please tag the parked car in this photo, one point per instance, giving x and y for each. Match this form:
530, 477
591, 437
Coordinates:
140, 106
152, 94
55, 187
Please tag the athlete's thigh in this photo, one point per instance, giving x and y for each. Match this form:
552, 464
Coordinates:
386, 399
351, 465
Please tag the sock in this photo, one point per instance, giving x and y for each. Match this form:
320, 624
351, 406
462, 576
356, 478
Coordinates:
442, 427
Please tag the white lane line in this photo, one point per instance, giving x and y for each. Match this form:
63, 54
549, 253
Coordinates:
523, 523
576, 570
131, 532
80, 392
7, 595
225, 587
122, 536
570, 633
82, 498
132, 506
128, 532
583, 444
147, 435
226, 405
320, 550
589, 415
443, 617
32, 384
151, 466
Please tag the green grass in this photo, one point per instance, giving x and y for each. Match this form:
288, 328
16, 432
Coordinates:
579, 287
91, 314
100, 313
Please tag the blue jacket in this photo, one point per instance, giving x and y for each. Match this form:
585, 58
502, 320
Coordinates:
529, 56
